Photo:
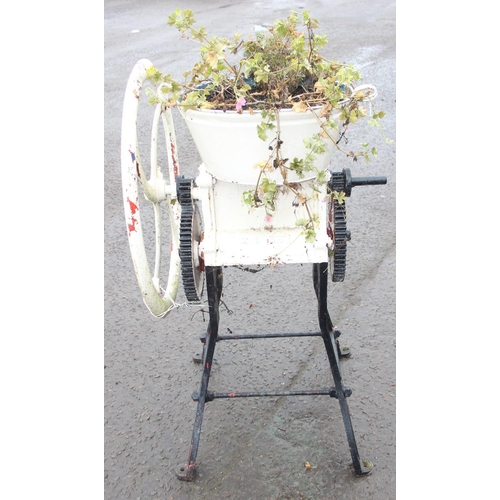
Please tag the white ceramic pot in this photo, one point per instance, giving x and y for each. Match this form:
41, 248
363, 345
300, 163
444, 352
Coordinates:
230, 148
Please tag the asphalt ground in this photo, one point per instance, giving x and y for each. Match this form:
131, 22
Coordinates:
55, 56
255, 448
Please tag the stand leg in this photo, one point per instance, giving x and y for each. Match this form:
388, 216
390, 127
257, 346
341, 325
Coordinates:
198, 357
343, 352
187, 471
320, 278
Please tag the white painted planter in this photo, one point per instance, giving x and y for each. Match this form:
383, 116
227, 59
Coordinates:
230, 147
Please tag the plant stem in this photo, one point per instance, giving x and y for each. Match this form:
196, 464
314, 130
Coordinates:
336, 143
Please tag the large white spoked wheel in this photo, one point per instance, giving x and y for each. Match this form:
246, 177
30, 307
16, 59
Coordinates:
157, 190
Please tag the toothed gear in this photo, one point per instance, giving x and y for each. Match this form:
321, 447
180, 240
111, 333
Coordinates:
340, 233
190, 236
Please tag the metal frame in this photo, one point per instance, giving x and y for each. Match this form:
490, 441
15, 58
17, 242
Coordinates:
214, 281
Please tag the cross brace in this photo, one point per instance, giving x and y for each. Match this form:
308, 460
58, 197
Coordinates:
187, 471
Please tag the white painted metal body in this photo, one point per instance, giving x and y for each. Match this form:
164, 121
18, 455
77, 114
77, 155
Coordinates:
233, 235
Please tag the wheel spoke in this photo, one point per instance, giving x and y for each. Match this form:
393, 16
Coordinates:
156, 274
173, 160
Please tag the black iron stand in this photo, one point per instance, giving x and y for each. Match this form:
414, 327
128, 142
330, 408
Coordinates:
187, 471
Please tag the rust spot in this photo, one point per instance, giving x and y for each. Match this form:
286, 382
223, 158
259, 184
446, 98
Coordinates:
137, 169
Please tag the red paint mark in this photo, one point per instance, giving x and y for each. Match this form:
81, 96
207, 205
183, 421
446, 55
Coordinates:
207, 366
232, 394
131, 227
172, 150
133, 209
133, 206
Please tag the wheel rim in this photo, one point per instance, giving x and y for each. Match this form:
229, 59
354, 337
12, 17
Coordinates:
156, 190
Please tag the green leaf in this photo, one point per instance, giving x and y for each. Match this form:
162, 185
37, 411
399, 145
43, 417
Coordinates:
262, 129
262, 74
310, 235
172, 18
320, 41
248, 197
321, 177
339, 196
200, 34
152, 74
261, 132
297, 166
268, 186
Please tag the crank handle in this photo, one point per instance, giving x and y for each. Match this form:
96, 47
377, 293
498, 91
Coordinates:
351, 182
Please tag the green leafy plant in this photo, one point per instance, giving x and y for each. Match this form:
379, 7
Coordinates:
278, 69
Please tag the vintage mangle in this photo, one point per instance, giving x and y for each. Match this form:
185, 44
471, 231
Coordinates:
212, 229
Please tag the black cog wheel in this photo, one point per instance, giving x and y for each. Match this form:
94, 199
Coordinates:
340, 233
190, 235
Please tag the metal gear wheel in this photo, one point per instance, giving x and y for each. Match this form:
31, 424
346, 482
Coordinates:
340, 233
190, 236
